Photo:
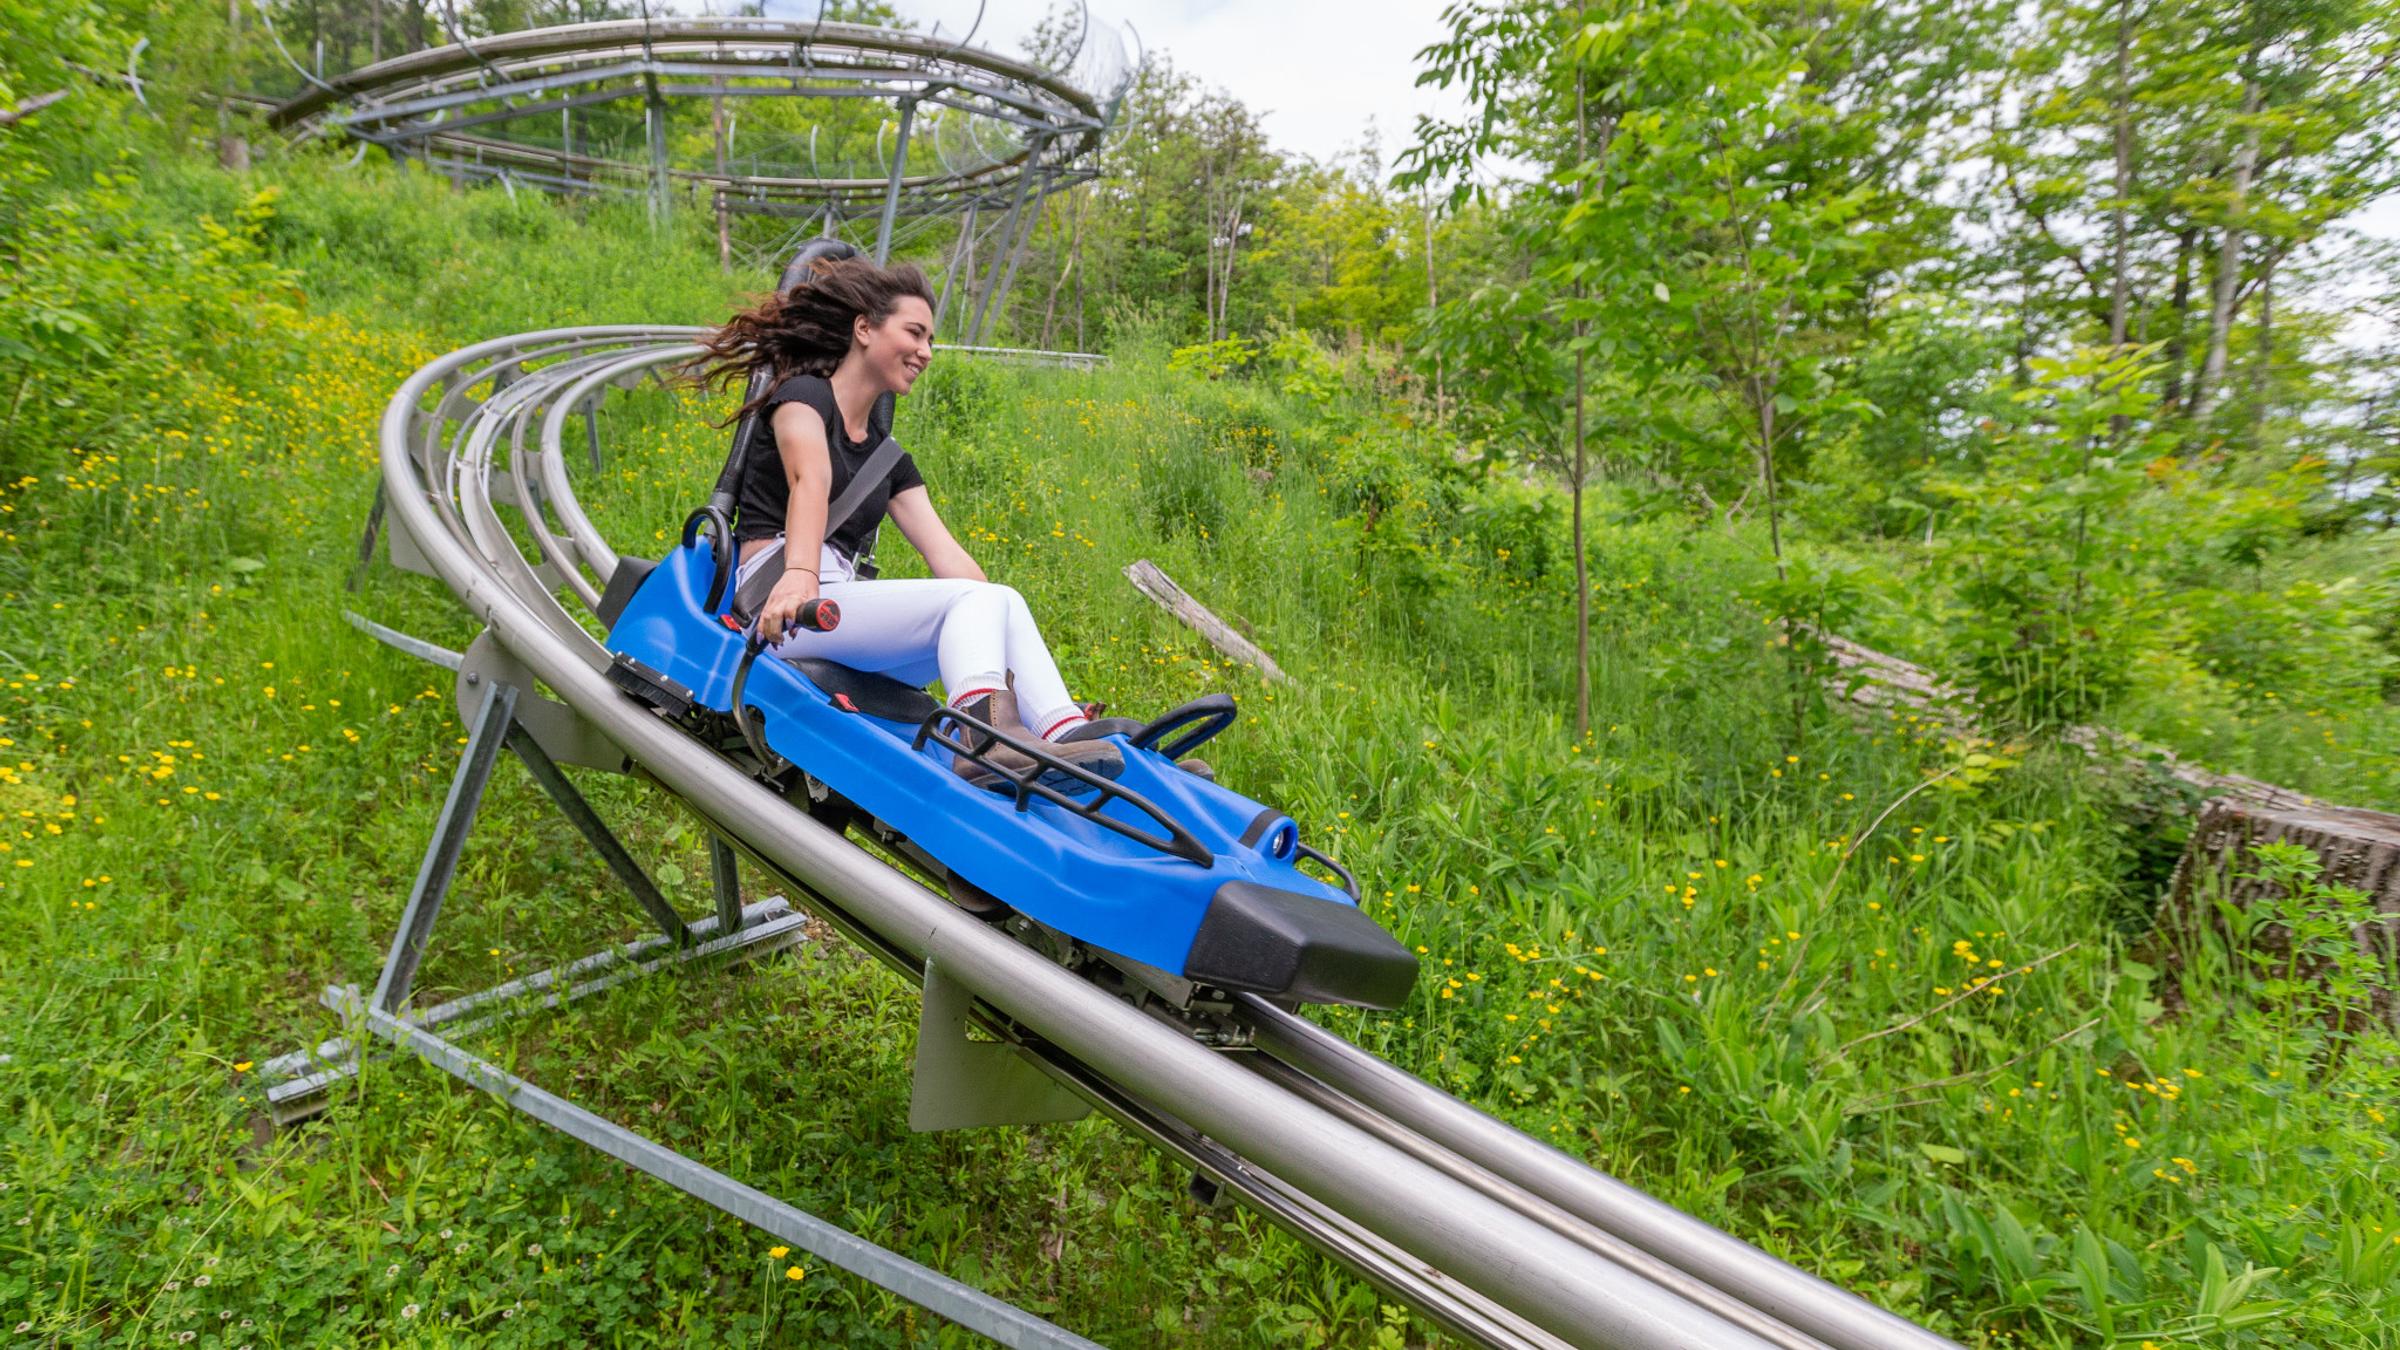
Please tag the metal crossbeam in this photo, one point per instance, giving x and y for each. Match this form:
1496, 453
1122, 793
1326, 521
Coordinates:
301, 1082
927, 1288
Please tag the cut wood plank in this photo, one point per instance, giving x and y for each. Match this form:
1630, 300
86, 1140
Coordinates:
1150, 581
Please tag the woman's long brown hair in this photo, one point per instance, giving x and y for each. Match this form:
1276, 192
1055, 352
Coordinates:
805, 330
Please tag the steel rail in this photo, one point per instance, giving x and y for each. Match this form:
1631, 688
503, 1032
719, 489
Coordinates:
426, 115
519, 151
426, 105
1490, 1157
582, 380
593, 549
1674, 1249
753, 195
1442, 1301
1541, 1265
703, 61
1554, 1284
1790, 1294
565, 39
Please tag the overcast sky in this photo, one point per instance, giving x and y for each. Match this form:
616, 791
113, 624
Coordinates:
1318, 72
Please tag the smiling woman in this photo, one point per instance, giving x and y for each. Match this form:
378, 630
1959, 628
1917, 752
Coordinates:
818, 475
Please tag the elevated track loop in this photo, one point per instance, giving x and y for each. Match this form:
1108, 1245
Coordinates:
1497, 1237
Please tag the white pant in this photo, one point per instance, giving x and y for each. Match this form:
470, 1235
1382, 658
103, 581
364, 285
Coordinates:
969, 633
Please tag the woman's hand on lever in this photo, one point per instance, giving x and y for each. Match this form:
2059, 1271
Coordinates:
781, 614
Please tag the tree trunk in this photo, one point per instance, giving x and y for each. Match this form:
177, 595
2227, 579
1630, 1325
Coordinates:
2118, 224
1208, 252
2263, 359
1433, 305
1766, 473
1075, 238
2177, 350
2229, 258
2021, 368
1583, 581
1233, 241
2351, 456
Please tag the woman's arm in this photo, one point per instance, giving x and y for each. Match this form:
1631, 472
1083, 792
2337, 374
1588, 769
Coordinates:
912, 510
808, 476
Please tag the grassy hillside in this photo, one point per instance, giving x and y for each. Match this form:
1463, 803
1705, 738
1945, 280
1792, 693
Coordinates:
1854, 990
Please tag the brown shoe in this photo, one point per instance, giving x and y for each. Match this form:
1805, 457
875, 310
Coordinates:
995, 763
974, 899
1098, 727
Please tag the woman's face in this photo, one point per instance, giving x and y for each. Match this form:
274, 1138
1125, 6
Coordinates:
896, 351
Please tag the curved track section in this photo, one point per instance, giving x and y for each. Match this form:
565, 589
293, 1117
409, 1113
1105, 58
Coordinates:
1483, 1229
506, 103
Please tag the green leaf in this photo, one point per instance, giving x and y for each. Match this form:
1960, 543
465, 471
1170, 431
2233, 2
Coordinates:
2091, 1276
1943, 1153
1659, 290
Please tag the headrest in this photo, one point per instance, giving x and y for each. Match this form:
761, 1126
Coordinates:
810, 252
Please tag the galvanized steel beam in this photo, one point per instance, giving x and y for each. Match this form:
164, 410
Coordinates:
927, 1288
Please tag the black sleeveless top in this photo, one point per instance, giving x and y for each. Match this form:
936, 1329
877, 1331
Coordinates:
765, 494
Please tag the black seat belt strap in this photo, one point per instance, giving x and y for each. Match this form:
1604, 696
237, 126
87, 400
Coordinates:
752, 595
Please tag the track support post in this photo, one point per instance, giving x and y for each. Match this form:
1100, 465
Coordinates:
300, 1083
961, 1084
490, 730
724, 870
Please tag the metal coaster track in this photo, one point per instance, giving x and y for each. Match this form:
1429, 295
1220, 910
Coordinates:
976, 131
431, 102
1492, 1234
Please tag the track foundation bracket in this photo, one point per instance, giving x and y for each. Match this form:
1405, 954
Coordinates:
962, 1084
565, 736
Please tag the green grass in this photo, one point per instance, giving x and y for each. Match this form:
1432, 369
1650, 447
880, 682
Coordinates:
1670, 948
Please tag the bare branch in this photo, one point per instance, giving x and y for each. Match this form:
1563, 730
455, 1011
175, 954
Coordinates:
12, 116
1982, 983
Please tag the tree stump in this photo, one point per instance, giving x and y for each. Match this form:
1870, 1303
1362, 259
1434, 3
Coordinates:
2360, 850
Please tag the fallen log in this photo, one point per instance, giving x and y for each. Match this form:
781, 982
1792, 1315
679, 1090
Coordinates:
2359, 848
1150, 581
1878, 680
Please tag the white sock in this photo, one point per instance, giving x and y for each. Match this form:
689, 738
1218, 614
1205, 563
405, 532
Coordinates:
1061, 721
